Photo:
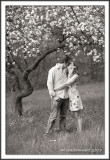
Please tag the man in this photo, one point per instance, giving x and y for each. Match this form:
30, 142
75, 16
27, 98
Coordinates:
59, 99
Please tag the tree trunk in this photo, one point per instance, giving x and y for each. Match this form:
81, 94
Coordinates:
28, 89
13, 80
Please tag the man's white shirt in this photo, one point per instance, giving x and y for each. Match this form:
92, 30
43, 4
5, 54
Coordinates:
56, 77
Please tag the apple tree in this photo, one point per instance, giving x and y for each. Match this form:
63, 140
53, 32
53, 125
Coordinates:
35, 32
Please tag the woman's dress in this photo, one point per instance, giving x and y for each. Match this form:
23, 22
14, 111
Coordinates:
75, 102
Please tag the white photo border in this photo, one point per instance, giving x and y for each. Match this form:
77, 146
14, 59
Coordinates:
3, 80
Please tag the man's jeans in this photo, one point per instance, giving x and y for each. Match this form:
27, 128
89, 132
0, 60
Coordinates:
60, 106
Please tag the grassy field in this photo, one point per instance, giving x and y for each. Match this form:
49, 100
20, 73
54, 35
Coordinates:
26, 135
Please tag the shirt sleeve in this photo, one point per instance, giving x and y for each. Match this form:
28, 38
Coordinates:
50, 81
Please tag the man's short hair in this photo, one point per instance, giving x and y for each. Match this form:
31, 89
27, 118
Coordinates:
64, 59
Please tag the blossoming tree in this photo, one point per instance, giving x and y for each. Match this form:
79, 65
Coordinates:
34, 32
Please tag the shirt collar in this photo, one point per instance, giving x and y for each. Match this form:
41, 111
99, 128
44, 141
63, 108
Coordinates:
59, 65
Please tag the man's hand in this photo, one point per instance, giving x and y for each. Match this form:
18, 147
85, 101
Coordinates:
52, 94
57, 99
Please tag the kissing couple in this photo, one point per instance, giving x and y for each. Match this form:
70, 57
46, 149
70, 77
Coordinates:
62, 85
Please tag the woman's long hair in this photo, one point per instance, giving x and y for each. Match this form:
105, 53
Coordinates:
75, 70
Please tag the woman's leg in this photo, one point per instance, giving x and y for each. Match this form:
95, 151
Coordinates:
78, 120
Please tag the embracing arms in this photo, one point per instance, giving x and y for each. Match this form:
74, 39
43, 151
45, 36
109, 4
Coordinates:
69, 82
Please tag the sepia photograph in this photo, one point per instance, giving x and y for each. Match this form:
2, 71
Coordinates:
55, 79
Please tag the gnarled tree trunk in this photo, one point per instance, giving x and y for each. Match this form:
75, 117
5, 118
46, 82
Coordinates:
13, 80
28, 89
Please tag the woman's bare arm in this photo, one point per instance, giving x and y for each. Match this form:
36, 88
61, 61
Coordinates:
72, 79
69, 81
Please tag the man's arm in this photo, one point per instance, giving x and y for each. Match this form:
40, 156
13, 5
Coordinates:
50, 82
70, 81
62, 86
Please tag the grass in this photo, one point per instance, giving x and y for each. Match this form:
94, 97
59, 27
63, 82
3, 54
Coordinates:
26, 135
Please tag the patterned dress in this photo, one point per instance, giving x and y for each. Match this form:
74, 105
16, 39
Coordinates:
75, 102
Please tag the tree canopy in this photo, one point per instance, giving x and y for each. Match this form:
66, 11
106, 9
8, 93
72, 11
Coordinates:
31, 30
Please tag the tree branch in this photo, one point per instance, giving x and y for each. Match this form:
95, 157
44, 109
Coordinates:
39, 59
99, 12
17, 64
28, 89
75, 15
79, 23
99, 31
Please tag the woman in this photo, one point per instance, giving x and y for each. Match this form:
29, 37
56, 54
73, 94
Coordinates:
75, 103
